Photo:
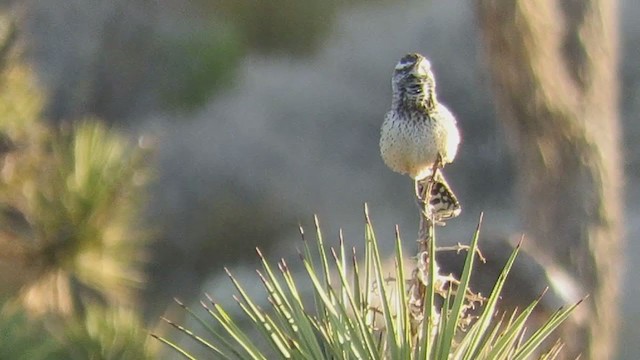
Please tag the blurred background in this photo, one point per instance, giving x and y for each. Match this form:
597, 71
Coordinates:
148, 144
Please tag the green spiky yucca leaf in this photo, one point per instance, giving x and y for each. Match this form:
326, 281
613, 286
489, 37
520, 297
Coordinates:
69, 243
358, 313
69, 197
80, 196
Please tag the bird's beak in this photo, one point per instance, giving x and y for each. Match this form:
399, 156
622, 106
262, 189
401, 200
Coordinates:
422, 67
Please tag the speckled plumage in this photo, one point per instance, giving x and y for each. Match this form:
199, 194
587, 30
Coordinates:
417, 128
418, 131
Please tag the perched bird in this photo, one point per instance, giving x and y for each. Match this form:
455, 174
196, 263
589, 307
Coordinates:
419, 135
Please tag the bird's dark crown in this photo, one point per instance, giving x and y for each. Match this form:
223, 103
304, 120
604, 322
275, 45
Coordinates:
409, 62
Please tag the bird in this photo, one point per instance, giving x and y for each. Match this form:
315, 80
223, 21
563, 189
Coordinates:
420, 135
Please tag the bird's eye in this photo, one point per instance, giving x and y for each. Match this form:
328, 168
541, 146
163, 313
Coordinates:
408, 62
404, 66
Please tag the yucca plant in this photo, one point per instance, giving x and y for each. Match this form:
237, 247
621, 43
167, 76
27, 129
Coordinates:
102, 333
70, 244
69, 201
114, 333
23, 338
359, 313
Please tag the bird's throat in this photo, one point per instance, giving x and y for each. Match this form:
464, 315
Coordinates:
420, 102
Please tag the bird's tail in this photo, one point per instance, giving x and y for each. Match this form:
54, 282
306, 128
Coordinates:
443, 203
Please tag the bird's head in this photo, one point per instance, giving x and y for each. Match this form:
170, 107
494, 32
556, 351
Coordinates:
413, 80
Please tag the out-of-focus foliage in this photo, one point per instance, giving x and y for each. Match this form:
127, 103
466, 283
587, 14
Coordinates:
71, 249
69, 209
122, 59
24, 339
279, 25
293, 26
102, 333
200, 62
118, 60
68, 202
